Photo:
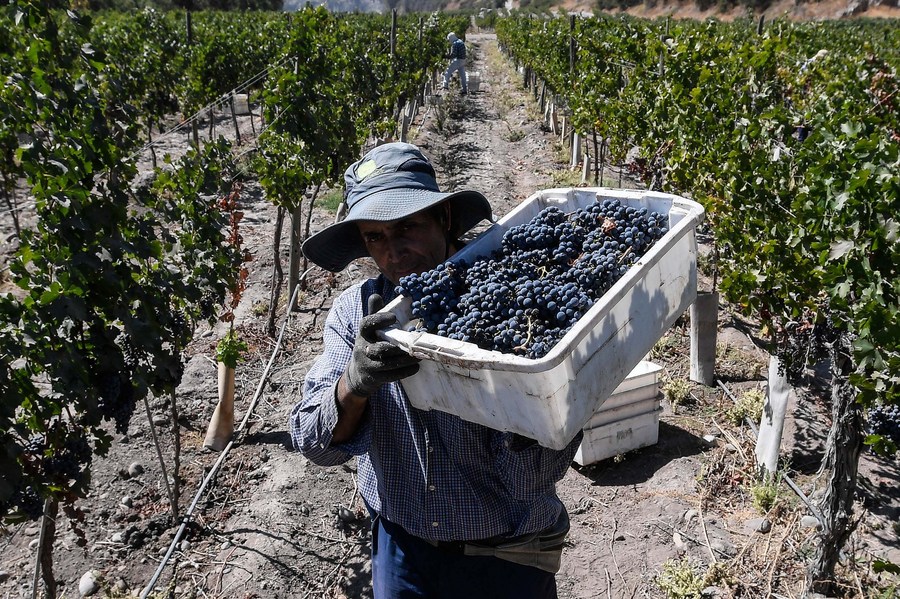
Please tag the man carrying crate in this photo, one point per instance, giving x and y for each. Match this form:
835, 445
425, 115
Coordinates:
458, 509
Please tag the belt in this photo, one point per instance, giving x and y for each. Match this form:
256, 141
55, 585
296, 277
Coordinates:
541, 549
458, 547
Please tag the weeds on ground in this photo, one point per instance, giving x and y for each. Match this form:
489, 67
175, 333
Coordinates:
721, 475
765, 493
677, 391
749, 406
664, 348
260, 308
706, 264
684, 578
566, 178
739, 363
513, 135
680, 580
561, 152
437, 124
330, 200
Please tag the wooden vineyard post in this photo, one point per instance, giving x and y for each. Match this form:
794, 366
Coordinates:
704, 329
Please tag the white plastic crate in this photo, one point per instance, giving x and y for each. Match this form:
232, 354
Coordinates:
473, 81
617, 437
628, 420
637, 394
551, 398
241, 104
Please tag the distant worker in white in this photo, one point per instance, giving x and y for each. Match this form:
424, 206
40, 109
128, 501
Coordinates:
457, 62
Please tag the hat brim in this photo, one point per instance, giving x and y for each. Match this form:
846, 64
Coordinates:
335, 246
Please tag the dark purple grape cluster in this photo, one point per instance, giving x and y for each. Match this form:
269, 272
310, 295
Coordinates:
207, 305
884, 420
26, 501
116, 399
179, 323
543, 278
70, 462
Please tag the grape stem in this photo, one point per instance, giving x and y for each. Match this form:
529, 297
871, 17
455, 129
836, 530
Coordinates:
625, 253
527, 341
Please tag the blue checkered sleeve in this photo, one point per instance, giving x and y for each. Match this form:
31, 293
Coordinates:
313, 419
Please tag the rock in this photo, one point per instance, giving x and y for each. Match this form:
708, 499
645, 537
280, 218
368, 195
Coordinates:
160, 420
690, 515
680, 545
120, 586
810, 522
185, 546
711, 592
89, 584
117, 538
225, 545
346, 515
135, 469
722, 547
710, 440
127, 501
137, 540
854, 8
4, 575
762, 525
34, 543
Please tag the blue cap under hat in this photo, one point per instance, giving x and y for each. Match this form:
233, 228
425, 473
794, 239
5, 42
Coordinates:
391, 182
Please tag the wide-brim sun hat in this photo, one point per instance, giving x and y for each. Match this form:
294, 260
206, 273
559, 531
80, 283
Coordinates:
391, 182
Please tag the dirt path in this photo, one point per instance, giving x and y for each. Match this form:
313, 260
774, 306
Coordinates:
274, 525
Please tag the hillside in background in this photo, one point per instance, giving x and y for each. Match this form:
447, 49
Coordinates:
703, 9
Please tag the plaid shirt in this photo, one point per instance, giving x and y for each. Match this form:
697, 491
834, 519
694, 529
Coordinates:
439, 477
457, 50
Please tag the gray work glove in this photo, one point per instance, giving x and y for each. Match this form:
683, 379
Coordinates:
375, 362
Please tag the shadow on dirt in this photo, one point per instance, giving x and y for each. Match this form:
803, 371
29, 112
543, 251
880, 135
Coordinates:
878, 490
641, 465
270, 557
281, 438
357, 578
458, 162
810, 431
463, 110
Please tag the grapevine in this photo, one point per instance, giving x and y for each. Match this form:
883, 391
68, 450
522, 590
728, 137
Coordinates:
793, 153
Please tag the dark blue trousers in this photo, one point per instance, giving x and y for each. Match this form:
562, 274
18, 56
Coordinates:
406, 567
